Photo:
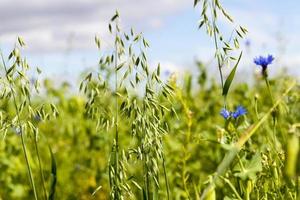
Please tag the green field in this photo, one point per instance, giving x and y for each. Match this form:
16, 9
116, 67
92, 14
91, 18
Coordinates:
127, 133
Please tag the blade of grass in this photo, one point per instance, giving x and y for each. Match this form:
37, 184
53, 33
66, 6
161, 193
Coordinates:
230, 77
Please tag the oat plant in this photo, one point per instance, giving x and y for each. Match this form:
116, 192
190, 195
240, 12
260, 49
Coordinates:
137, 103
19, 90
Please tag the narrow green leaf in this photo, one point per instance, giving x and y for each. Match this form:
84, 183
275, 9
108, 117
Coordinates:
230, 77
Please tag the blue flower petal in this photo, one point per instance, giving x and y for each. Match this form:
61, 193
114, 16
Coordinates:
270, 59
264, 61
240, 110
225, 113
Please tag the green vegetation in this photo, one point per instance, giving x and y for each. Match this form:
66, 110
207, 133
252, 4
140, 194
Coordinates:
127, 134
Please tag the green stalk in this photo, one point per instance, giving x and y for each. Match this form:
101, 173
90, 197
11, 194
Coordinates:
117, 120
274, 115
217, 50
248, 190
269, 88
146, 181
39, 161
146, 174
166, 178
272, 100
231, 187
40, 167
21, 131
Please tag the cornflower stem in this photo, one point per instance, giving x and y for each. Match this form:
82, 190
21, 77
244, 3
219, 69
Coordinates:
21, 131
269, 88
274, 112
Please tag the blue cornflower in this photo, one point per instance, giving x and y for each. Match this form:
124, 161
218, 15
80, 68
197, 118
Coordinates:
240, 110
225, 113
264, 61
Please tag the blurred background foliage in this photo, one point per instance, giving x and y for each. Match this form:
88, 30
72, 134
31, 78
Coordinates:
194, 146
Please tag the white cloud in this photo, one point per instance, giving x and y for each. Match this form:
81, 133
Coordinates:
47, 25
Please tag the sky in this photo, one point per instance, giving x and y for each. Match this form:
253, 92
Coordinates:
59, 34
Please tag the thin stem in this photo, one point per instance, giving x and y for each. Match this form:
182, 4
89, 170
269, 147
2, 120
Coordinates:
269, 88
141, 139
240, 163
217, 52
39, 159
146, 180
256, 108
40, 167
216, 47
117, 120
166, 178
21, 131
248, 191
272, 100
231, 187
